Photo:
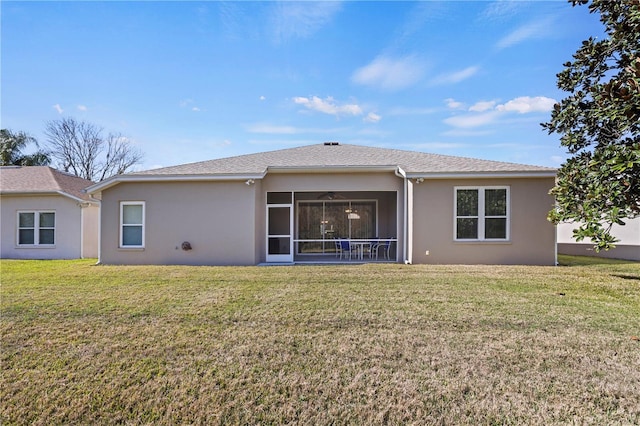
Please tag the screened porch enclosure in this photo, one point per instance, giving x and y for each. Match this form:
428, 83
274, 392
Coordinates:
321, 219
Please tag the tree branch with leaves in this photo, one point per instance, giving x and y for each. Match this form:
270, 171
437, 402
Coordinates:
599, 124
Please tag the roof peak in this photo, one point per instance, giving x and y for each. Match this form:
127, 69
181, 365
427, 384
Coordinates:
339, 155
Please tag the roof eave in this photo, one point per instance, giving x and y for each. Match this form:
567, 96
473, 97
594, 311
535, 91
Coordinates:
331, 169
115, 180
484, 175
44, 194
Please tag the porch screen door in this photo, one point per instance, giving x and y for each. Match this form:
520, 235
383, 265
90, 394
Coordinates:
279, 233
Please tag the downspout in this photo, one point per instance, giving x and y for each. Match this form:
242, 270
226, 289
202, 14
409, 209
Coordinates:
401, 174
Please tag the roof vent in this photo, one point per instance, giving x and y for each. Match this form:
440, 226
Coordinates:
331, 143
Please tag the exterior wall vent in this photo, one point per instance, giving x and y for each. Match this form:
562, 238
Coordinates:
331, 143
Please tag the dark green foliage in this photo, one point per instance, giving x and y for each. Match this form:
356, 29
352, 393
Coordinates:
599, 124
12, 145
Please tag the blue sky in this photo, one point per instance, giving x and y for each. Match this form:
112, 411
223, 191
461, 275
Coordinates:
192, 81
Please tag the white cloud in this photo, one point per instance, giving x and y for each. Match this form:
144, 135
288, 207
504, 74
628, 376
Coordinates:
502, 9
301, 19
82, 108
484, 113
525, 104
328, 106
58, 108
188, 103
482, 106
372, 117
455, 77
262, 98
532, 30
412, 111
472, 120
453, 104
390, 73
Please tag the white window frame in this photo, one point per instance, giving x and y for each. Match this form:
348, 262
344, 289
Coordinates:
36, 228
122, 225
481, 214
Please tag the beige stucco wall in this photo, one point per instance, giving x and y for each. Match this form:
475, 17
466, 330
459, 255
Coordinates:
225, 222
532, 237
67, 231
218, 219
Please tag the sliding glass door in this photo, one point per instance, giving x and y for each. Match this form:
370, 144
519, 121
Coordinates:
319, 223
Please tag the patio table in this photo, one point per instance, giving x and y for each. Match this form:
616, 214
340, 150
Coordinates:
360, 246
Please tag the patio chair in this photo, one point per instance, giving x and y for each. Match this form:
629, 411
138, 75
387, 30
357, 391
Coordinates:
338, 248
345, 249
384, 246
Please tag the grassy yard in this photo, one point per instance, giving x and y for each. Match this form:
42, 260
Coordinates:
354, 344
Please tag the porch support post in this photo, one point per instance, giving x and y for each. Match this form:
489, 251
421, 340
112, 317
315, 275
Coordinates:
408, 239
407, 225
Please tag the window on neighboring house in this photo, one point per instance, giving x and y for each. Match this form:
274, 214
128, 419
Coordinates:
132, 224
36, 228
481, 213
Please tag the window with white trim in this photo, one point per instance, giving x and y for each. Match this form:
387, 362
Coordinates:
481, 213
132, 224
36, 228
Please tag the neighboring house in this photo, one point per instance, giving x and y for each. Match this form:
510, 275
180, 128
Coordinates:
45, 215
291, 205
627, 247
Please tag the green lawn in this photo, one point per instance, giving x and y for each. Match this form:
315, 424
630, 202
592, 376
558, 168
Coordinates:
352, 344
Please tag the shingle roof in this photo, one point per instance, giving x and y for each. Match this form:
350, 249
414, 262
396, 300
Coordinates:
339, 156
41, 180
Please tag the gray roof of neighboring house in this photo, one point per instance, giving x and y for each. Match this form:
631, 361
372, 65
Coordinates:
38, 180
343, 156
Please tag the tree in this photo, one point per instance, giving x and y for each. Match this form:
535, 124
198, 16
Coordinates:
599, 124
81, 149
12, 145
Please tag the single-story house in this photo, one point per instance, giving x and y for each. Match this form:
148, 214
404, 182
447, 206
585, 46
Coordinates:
44, 214
627, 247
329, 202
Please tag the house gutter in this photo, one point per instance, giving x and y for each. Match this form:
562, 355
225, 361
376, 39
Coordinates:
331, 169
44, 193
113, 181
480, 175
405, 228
